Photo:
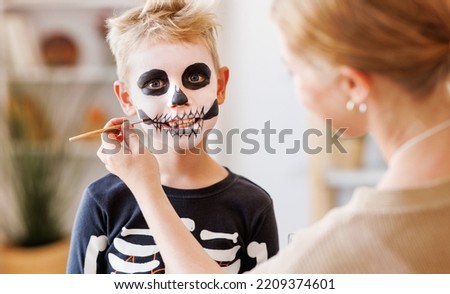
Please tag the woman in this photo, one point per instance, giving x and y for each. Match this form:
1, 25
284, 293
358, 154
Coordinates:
372, 66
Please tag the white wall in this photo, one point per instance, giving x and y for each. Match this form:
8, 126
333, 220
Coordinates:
260, 89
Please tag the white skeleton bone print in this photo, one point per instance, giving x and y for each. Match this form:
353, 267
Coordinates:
129, 265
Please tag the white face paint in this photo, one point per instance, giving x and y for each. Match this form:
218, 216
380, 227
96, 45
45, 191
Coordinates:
174, 90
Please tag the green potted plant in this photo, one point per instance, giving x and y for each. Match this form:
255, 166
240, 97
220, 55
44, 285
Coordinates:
37, 171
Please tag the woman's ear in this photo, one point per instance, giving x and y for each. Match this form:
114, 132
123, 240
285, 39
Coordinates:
222, 80
355, 84
124, 98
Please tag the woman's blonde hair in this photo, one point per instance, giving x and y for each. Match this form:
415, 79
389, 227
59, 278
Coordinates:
407, 41
161, 21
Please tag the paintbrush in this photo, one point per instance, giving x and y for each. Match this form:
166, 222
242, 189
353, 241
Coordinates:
99, 131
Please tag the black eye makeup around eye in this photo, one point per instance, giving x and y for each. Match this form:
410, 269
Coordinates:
154, 82
196, 76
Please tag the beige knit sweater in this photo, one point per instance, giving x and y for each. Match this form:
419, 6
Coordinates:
404, 231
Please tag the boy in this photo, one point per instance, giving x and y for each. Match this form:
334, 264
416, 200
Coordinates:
169, 76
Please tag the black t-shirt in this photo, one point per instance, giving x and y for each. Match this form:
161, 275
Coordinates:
233, 220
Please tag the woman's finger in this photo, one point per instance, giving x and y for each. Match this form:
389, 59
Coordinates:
115, 121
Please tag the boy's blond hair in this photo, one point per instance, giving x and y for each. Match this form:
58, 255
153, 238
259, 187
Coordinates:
161, 21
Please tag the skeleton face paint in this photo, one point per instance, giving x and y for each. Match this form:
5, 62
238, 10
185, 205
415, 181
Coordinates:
174, 125
154, 82
175, 91
196, 76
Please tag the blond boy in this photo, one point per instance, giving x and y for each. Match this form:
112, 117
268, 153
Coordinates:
169, 77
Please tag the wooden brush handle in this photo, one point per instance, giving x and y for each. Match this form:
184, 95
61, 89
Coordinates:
96, 132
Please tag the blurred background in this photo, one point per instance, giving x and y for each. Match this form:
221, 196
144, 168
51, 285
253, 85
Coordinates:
56, 76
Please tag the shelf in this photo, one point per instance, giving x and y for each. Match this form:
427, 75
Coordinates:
32, 5
338, 178
62, 75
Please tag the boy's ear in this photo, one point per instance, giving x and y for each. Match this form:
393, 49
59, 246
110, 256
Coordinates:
356, 84
124, 98
222, 80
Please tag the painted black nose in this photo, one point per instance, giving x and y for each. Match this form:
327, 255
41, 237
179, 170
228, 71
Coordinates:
179, 98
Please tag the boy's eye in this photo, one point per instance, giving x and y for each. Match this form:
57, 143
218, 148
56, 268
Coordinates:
155, 85
153, 82
196, 78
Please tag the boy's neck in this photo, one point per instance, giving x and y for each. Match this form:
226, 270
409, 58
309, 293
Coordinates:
189, 171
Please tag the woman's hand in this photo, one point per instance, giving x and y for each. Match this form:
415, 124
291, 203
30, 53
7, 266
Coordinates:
125, 156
